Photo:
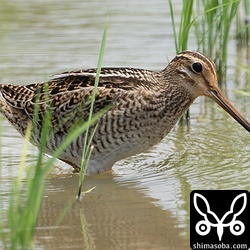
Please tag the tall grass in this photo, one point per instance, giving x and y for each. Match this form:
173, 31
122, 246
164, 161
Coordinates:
211, 22
87, 149
181, 38
213, 30
18, 231
243, 23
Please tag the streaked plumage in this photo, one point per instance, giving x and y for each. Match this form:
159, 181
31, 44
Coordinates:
145, 105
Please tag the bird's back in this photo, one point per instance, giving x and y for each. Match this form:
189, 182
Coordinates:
130, 126
69, 90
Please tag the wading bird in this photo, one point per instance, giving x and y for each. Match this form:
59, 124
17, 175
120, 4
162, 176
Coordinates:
145, 106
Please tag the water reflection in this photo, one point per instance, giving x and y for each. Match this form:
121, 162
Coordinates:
143, 203
114, 216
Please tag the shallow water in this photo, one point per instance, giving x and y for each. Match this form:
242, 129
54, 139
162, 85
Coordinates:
143, 203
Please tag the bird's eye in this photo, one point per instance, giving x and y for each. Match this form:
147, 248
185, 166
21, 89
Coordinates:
197, 67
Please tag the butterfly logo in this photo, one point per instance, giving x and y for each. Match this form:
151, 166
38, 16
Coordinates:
203, 227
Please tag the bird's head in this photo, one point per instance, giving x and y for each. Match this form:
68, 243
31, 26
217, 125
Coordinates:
197, 74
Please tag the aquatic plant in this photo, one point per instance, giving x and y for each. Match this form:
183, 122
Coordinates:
17, 230
211, 22
243, 23
87, 149
213, 30
181, 39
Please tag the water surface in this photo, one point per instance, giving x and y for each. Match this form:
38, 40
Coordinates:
143, 203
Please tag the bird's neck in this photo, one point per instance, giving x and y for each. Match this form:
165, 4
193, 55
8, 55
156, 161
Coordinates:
177, 100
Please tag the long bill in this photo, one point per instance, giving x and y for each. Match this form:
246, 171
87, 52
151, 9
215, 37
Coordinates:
218, 97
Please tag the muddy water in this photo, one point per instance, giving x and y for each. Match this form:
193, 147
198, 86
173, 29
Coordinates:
143, 203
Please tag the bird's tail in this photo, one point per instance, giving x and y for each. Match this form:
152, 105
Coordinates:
1, 99
5, 108
14, 116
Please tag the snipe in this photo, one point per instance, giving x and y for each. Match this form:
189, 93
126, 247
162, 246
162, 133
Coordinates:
145, 106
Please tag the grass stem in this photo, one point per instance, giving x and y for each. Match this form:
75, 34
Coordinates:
87, 149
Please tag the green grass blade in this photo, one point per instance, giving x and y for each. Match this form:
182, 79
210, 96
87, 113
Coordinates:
26, 197
173, 24
87, 144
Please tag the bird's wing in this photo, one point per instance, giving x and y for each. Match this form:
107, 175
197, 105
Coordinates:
123, 78
69, 94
